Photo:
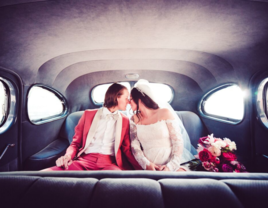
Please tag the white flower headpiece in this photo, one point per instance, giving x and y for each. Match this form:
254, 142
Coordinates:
143, 86
140, 91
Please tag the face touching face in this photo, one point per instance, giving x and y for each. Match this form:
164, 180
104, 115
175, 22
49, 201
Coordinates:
123, 100
132, 104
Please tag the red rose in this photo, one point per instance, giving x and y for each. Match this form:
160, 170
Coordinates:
204, 155
204, 142
229, 156
215, 160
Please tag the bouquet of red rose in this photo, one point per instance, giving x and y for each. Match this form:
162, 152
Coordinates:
217, 155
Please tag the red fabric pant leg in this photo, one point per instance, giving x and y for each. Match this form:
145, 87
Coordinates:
75, 165
96, 161
54, 168
107, 162
111, 167
82, 163
92, 161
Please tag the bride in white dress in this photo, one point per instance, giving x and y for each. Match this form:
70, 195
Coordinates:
158, 139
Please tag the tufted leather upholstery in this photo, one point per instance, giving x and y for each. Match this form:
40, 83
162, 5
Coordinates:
69, 189
47, 156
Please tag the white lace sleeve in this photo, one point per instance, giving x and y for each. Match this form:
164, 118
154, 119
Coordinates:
136, 147
177, 145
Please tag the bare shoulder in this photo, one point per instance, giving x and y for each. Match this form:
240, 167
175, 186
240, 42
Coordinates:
165, 114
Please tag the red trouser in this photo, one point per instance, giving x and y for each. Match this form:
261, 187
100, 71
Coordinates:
92, 161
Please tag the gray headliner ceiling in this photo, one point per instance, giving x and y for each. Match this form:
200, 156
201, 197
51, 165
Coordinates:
211, 42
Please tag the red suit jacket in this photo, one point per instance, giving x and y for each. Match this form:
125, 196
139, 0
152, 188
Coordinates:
124, 155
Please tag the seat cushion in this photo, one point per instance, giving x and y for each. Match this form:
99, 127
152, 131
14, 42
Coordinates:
47, 156
69, 189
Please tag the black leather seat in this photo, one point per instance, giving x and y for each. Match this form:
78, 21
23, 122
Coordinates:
101, 189
47, 157
194, 127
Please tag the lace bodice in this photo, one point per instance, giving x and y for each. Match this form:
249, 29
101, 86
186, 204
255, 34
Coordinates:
161, 142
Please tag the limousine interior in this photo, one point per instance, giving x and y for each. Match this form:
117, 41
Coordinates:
207, 58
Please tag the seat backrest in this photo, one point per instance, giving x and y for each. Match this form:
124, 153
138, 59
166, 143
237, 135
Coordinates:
193, 125
190, 120
67, 130
179, 191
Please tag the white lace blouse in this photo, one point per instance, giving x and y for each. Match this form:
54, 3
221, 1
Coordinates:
161, 142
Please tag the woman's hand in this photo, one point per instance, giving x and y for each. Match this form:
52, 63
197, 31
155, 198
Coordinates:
152, 166
64, 161
181, 170
164, 168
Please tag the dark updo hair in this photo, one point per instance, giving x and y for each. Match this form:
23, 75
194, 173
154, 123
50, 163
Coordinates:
113, 92
146, 100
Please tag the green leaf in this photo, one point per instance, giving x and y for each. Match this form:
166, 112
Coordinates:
194, 164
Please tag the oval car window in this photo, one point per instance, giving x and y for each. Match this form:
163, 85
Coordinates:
266, 101
262, 102
7, 104
226, 103
3, 102
43, 104
162, 92
98, 93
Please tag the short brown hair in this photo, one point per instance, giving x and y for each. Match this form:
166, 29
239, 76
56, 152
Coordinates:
113, 92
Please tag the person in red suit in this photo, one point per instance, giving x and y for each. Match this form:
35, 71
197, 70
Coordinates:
101, 140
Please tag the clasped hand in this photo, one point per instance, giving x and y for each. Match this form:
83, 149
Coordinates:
64, 161
155, 167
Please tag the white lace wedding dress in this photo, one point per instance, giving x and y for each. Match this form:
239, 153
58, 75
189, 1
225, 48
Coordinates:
161, 142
